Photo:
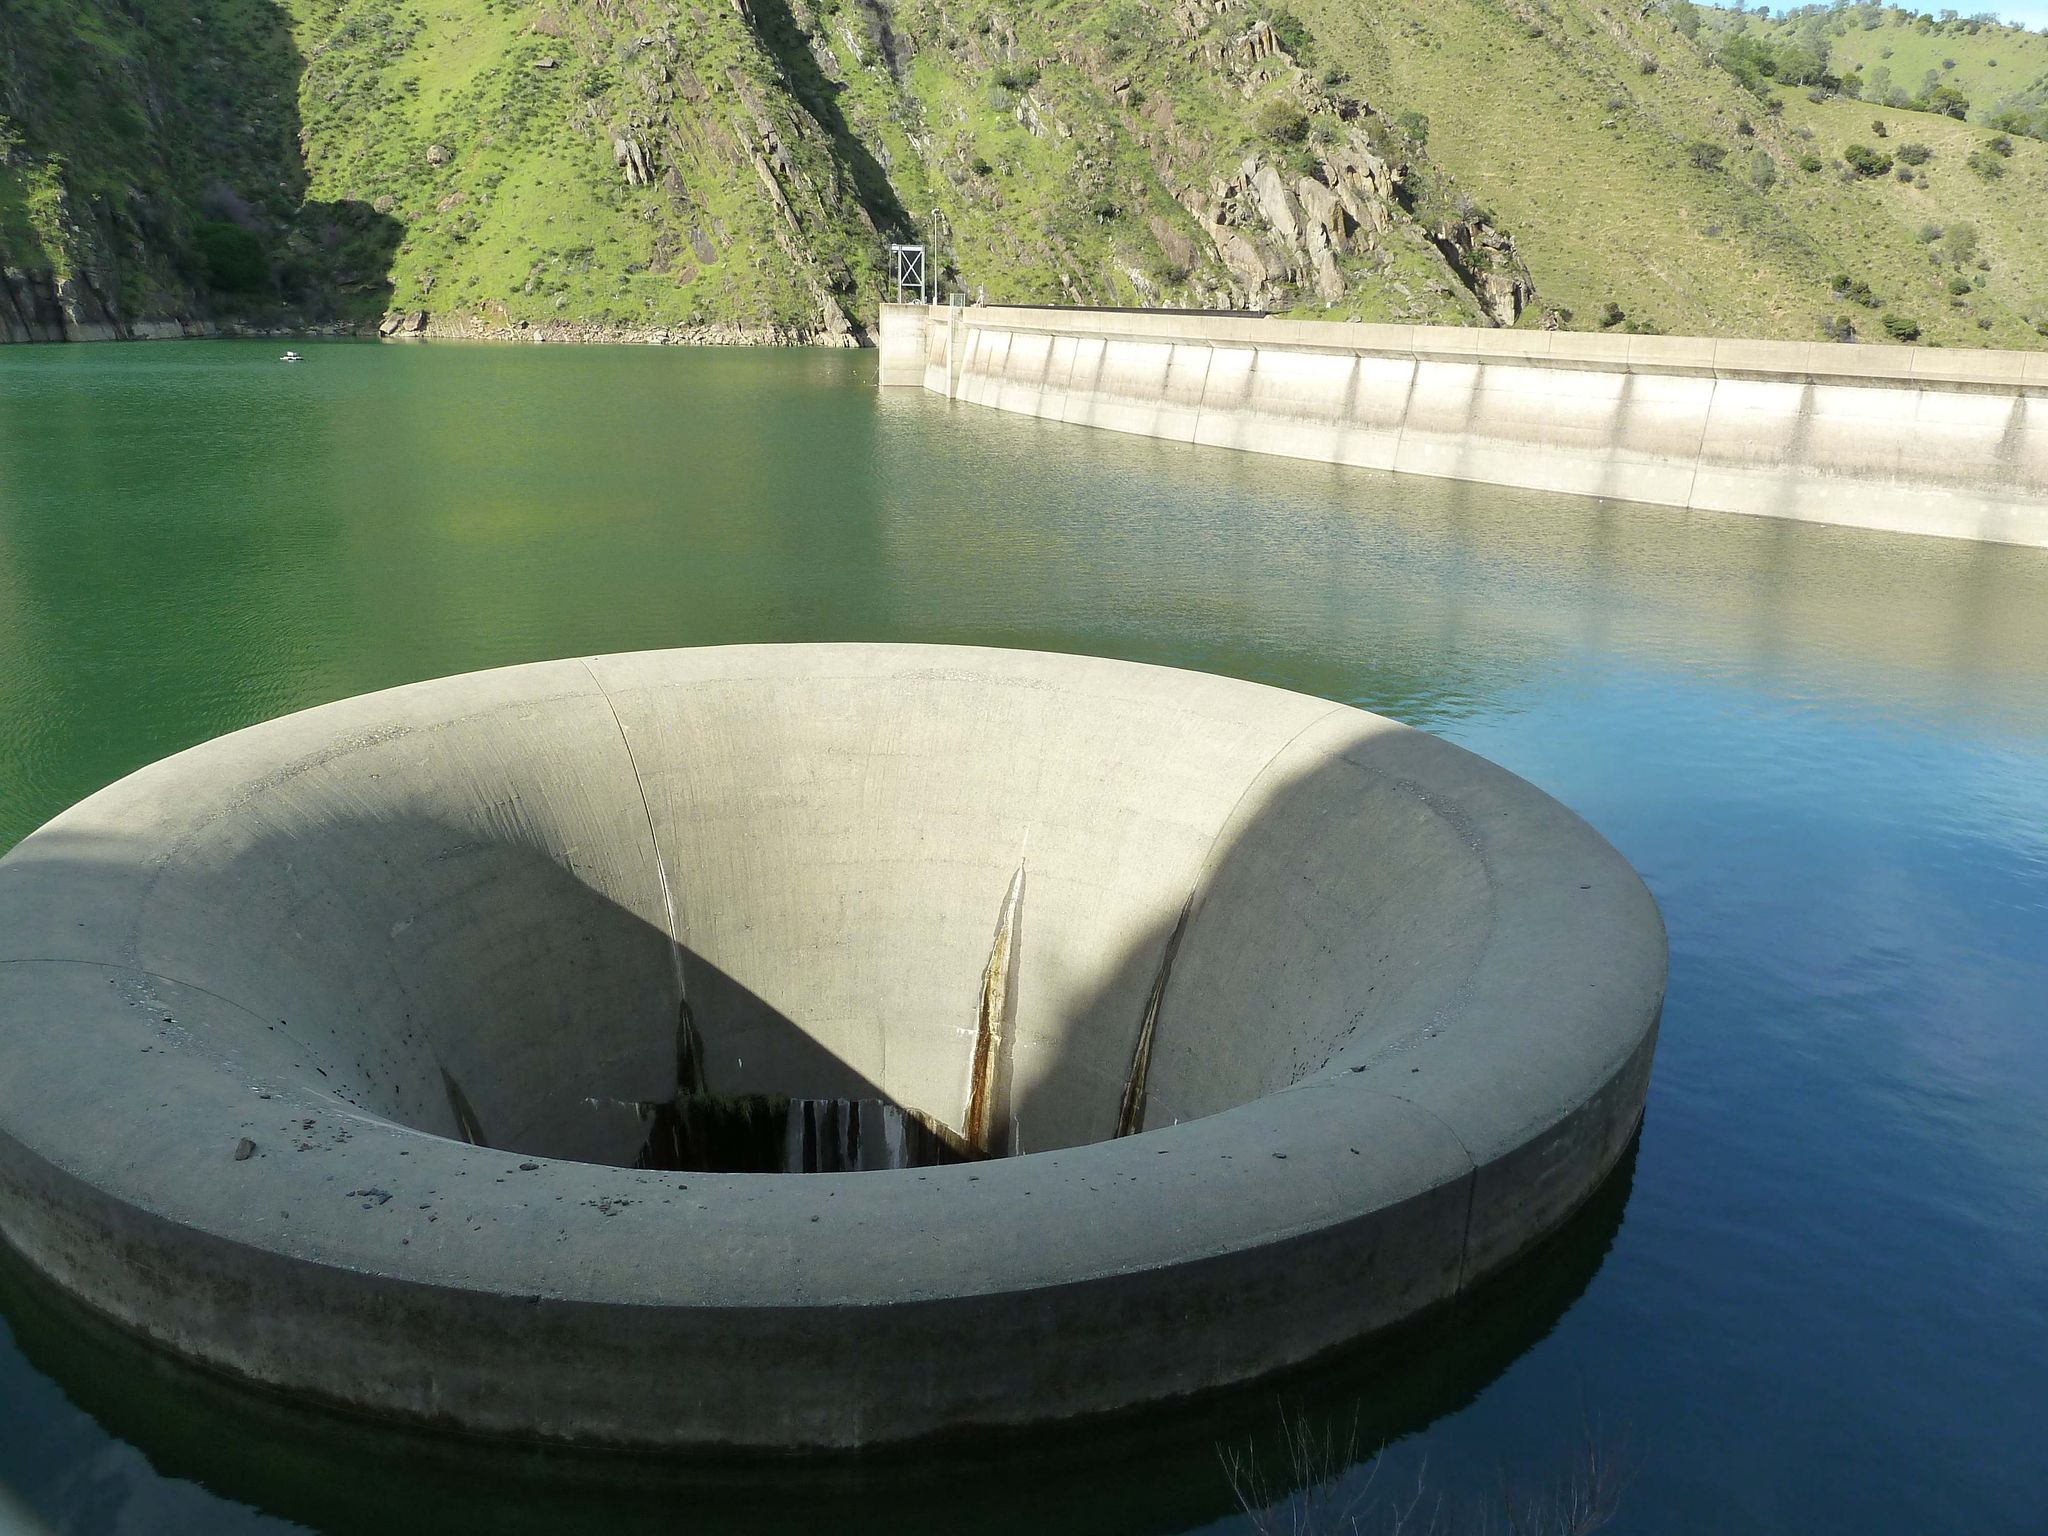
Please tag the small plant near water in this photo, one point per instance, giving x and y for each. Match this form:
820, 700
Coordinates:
1323, 1486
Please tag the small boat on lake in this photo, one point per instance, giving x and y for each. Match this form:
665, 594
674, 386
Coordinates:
291, 357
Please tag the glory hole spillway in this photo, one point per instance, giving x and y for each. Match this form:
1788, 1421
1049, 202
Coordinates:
458, 1053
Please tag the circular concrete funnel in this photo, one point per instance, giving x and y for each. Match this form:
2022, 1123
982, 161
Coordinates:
1200, 1027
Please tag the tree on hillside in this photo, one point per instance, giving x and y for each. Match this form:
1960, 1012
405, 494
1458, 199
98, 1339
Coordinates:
1946, 100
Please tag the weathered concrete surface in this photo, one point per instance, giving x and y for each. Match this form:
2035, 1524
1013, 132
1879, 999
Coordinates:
902, 344
1408, 1027
1904, 439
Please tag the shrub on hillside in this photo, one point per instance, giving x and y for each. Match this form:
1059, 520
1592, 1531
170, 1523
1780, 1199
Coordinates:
1704, 155
1837, 328
1901, 328
1017, 78
1854, 289
1280, 122
1915, 154
1865, 161
1415, 125
2019, 120
1985, 164
1810, 163
1763, 171
2001, 146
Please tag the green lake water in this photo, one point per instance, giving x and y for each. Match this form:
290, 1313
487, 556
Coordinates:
1814, 1300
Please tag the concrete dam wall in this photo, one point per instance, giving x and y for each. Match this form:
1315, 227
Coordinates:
1903, 439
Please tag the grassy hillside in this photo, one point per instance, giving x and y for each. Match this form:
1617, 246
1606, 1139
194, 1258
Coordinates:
1891, 57
1635, 171
733, 171
643, 165
142, 149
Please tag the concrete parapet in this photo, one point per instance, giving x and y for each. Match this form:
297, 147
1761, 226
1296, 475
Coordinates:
1905, 439
321, 1044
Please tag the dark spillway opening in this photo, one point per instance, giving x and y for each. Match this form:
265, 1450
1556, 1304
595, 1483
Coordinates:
699, 1131
696, 1130
767, 1133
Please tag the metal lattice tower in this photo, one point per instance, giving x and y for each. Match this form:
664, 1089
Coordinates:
907, 272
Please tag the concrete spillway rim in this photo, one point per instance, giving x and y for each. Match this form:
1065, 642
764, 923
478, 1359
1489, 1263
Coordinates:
110, 1144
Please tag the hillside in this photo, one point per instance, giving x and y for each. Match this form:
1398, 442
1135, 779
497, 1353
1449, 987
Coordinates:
691, 170
1636, 171
1897, 58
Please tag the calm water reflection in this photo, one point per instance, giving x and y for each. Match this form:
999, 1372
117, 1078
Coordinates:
1825, 1306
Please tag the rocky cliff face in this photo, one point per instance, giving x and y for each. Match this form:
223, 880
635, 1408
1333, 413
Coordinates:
699, 169
1330, 216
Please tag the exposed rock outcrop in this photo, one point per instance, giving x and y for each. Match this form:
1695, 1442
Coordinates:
1486, 259
631, 159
